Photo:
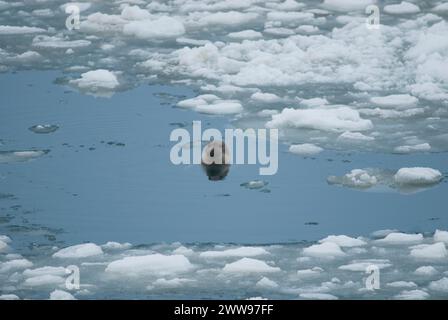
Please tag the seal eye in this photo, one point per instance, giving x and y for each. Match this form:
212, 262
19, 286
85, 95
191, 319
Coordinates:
212, 153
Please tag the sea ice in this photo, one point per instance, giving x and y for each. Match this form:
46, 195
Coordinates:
249, 265
326, 250
412, 295
96, 80
331, 119
417, 176
237, 252
306, 149
426, 271
397, 238
441, 236
344, 241
402, 8
61, 295
430, 251
439, 285
79, 251
266, 283
150, 264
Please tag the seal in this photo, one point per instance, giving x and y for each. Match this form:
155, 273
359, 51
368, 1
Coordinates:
216, 160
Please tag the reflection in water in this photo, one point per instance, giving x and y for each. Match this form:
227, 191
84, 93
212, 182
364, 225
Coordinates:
216, 160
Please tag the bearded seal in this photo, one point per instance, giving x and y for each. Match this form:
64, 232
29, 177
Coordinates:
216, 160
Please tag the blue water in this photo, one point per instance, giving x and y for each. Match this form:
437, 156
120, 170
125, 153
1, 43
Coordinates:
133, 193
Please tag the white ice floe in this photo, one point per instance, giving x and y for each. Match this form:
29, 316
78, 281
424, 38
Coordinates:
426, 271
20, 156
267, 113
326, 250
169, 283
266, 283
54, 42
306, 149
288, 271
237, 252
14, 30
111, 245
318, 296
422, 147
47, 270
412, 295
16, 264
441, 236
417, 176
221, 107
439, 285
164, 27
314, 102
265, 97
397, 238
357, 178
61, 295
309, 273
46, 280
430, 251
395, 101
441, 8
402, 284
150, 264
363, 265
211, 104
355, 137
9, 297
182, 250
344, 241
405, 180
254, 184
402, 8
3, 246
79, 251
382, 233
96, 80
226, 18
331, 119
245, 34
347, 5
249, 265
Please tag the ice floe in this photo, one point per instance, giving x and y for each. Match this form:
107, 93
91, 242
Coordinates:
79, 251
412, 266
44, 128
402, 8
430, 251
306, 149
13, 30
21, 156
61, 295
238, 252
249, 265
149, 264
99, 82
417, 176
405, 180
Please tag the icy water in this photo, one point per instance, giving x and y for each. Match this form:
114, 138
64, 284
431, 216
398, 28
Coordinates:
107, 176
86, 179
